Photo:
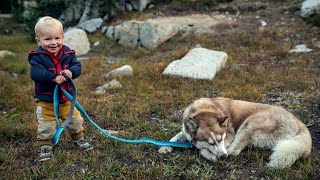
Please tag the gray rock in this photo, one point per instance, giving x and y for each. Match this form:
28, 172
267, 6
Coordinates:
153, 32
310, 7
125, 70
73, 12
96, 44
139, 5
127, 33
198, 63
104, 29
77, 39
91, 25
114, 84
300, 49
4, 53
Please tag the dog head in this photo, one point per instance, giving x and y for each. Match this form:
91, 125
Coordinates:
207, 130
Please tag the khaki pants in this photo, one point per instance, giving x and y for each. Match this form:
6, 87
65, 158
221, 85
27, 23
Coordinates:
47, 124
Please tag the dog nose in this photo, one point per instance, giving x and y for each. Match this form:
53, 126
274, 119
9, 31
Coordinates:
223, 156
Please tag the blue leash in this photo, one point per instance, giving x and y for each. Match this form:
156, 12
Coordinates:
71, 98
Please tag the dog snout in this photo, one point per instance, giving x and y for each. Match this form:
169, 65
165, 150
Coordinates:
223, 155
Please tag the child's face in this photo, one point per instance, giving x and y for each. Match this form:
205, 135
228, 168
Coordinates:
50, 39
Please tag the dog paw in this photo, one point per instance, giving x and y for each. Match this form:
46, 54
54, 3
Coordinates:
165, 150
233, 152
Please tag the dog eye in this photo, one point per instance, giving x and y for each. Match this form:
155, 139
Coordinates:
211, 142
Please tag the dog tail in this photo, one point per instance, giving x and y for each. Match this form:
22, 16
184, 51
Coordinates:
287, 151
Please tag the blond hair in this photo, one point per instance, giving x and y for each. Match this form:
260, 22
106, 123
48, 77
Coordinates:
47, 21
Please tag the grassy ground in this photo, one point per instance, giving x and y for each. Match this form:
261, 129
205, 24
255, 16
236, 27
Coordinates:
259, 69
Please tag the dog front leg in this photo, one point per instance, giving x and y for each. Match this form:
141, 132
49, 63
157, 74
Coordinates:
168, 149
208, 155
241, 140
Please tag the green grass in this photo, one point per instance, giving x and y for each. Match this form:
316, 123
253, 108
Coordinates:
258, 66
16, 44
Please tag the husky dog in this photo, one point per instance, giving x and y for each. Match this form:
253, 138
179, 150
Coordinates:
219, 127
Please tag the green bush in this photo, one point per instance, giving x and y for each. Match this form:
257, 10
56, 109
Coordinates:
6, 6
52, 8
314, 19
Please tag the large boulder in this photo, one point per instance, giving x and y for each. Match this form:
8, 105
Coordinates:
91, 25
310, 7
153, 32
148, 34
198, 63
77, 39
127, 33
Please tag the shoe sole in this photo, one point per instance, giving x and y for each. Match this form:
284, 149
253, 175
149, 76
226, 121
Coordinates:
44, 159
88, 149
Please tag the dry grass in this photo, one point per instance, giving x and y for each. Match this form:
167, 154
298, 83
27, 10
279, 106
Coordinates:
259, 69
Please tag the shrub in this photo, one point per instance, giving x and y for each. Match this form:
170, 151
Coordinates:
53, 8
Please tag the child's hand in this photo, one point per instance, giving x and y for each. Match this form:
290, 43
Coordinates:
66, 73
59, 79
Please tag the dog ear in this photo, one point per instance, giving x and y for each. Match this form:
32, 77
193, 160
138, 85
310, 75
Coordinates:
223, 121
191, 125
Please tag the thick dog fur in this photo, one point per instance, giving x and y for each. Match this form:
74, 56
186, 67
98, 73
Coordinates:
219, 127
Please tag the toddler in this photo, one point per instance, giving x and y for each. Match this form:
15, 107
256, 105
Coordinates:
47, 63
